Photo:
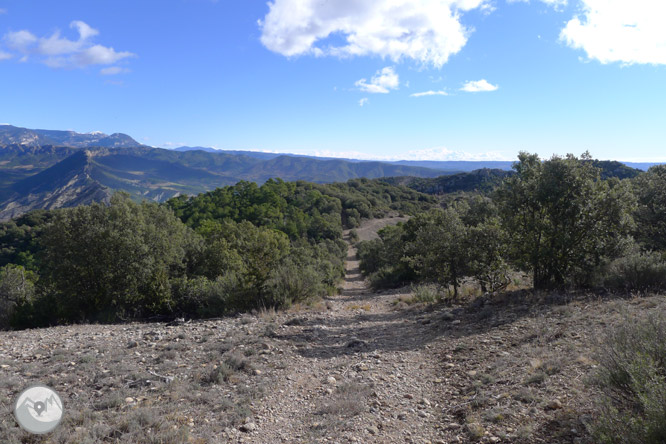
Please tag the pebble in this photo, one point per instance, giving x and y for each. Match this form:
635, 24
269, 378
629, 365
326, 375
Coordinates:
247, 428
554, 405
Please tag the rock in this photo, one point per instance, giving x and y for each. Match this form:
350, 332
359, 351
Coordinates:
409, 396
373, 430
176, 322
355, 343
248, 427
425, 402
132, 344
129, 400
331, 380
494, 439
456, 322
555, 404
472, 373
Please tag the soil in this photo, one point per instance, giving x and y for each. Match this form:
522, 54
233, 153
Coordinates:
361, 366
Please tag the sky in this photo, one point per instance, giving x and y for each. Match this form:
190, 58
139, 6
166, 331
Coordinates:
370, 79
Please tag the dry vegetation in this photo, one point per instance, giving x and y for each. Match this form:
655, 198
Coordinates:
356, 368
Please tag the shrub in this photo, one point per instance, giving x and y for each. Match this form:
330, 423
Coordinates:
427, 293
16, 291
637, 271
290, 283
353, 236
632, 379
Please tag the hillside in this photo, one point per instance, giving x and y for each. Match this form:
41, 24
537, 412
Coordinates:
35, 177
359, 367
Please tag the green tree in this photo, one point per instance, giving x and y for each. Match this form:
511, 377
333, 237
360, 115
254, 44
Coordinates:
436, 247
16, 291
109, 262
650, 189
562, 219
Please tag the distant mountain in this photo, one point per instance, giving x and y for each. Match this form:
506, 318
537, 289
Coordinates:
196, 148
68, 183
485, 179
457, 166
12, 135
86, 175
481, 180
51, 169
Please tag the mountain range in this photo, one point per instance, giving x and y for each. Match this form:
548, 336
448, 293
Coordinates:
53, 169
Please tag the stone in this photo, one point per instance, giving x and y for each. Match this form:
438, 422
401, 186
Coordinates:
555, 404
331, 380
248, 427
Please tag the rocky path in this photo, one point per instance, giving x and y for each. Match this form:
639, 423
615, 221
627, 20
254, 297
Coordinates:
359, 372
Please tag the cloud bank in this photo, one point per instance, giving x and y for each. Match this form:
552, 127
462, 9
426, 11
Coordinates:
427, 31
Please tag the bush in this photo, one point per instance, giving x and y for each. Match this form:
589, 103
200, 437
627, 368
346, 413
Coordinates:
290, 283
632, 379
427, 293
16, 291
636, 271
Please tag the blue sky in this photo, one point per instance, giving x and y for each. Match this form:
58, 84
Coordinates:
385, 79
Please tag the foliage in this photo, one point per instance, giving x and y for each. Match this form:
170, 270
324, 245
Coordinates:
436, 248
650, 189
563, 220
17, 290
112, 262
18, 244
632, 378
641, 271
425, 293
382, 260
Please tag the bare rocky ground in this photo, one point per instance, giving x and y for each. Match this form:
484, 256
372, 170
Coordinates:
357, 367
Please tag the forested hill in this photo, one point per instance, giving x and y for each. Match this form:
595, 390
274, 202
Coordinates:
235, 248
484, 180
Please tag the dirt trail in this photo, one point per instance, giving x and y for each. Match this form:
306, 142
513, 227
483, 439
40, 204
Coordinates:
359, 372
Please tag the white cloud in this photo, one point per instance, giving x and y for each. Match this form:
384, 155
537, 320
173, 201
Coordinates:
430, 93
384, 80
363, 101
5, 55
557, 4
478, 86
619, 31
60, 52
437, 153
113, 70
20, 40
428, 31
3, 11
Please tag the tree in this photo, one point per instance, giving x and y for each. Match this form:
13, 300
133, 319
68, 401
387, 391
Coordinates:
16, 290
650, 189
108, 262
562, 219
436, 247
